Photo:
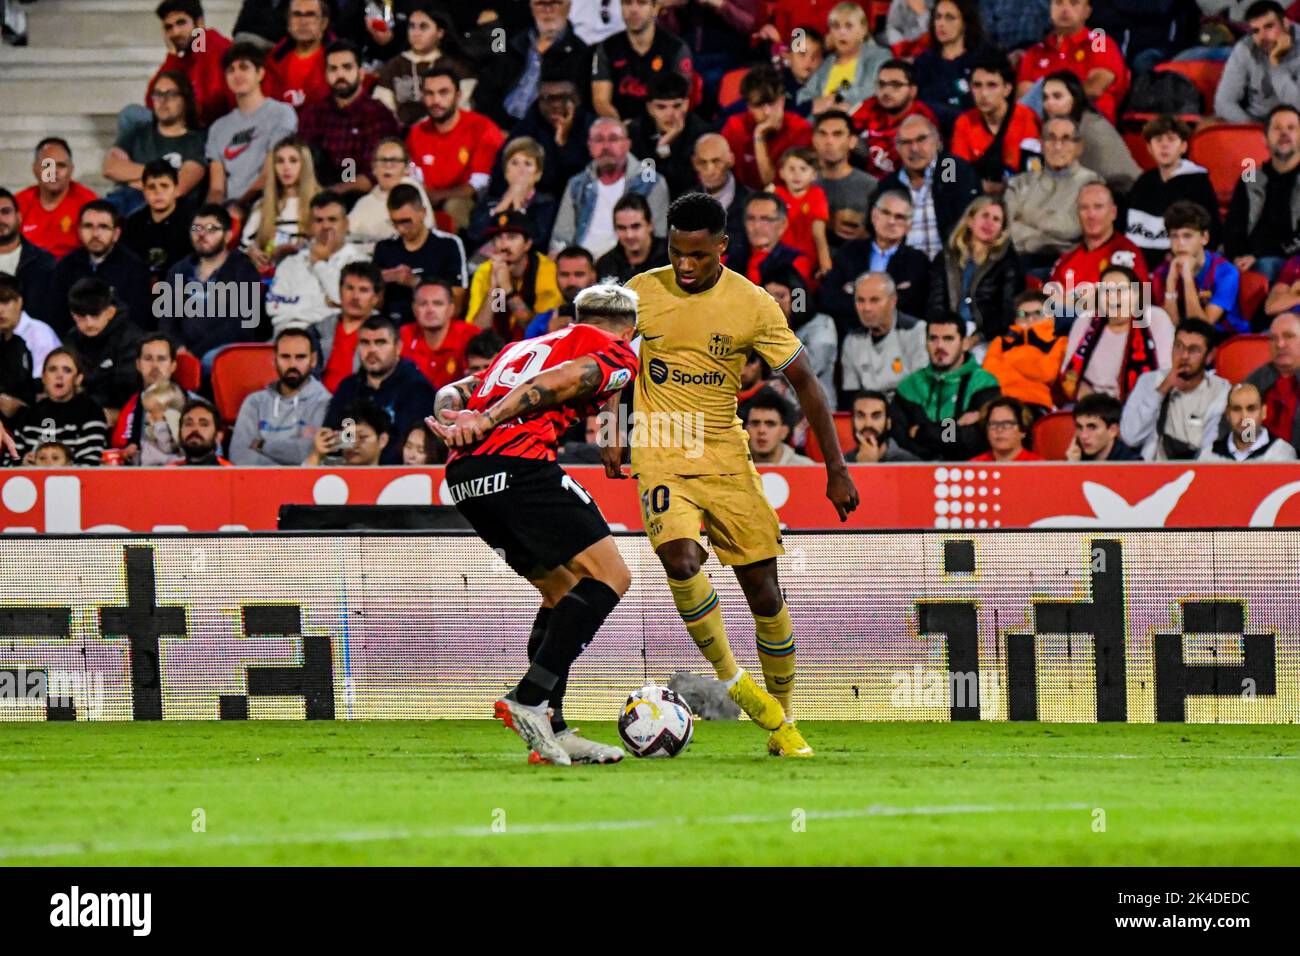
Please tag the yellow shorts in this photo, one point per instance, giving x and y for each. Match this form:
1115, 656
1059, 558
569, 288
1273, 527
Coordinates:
735, 514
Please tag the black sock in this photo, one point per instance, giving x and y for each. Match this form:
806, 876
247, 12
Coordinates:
535, 638
536, 635
574, 622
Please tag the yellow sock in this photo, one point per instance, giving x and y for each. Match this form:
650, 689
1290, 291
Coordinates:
697, 603
775, 638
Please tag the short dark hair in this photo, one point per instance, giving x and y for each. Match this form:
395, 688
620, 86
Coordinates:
1261, 8
328, 198
384, 323
815, 35
440, 70
1130, 274
576, 252
487, 344
157, 337
762, 83
1166, 123
787, 276
805, 154
697, 212
212, 210
445, 284
55, 444
996, 64
829, 115
191, 8
668, 85
368, 413
1099, 405
101, 205
54, 141
907, 69
1280, 108
771, 400
1199, 327
343, 46
941, 317
634, 201
89, 296
404, 194
199, 402
781, 208
6, 194
243, 50
159, 169
1018, 408
9, 287
363, 269
875, 394
1186, 214
1029, 295
298, 330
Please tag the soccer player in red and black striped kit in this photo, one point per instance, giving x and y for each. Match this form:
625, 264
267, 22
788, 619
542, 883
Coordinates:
502, 428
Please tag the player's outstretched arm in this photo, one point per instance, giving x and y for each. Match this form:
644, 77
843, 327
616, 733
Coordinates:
570, 381
839, 486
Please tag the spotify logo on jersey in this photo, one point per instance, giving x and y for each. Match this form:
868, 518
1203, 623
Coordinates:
658, 371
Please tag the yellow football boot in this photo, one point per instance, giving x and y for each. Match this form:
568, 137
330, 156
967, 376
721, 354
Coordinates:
762, 707
786, 741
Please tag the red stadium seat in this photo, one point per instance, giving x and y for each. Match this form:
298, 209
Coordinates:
1204, 74
1137, 147
1252, 293
729, 87
189, 372
1240, 355
843, 427
877, 11
1221, 150
238, 372
1051, 435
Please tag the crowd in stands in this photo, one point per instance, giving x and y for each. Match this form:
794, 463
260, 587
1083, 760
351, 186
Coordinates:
974, 213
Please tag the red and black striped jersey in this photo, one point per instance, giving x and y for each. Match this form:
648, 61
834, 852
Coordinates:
537, 436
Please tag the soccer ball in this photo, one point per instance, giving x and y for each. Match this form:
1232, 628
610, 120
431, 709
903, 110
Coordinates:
655, 722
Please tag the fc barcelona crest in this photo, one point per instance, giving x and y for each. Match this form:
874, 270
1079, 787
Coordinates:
719, 345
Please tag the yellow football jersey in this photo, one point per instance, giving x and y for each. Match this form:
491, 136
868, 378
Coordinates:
693, 347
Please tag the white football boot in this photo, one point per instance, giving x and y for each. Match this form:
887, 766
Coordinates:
533, 724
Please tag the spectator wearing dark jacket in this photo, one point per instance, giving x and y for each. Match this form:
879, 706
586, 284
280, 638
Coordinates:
34, 269
978, 274
886, 251
107, 342
387, 380
215, 296
937, 408
102, 255
940, 184
1174, 178
507, 90
559, 122
1263, 225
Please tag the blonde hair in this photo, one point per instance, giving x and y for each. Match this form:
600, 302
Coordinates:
606, 303
272, 202
963, 243
169, 393
850, 10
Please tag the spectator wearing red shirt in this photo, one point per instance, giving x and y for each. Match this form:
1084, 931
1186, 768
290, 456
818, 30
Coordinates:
348, 125
50, 210
783, 17
759, 136
878, 118
806, 206
1095, 59
436, 340
1005, 422
195, 49
453, 148
295, 67
761, 252
1279, 381
361, 290
1079, 269
996, 136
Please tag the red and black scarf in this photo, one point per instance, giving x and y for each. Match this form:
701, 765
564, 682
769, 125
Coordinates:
1138, 358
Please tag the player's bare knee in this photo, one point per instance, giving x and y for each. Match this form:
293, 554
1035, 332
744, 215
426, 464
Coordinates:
680, 559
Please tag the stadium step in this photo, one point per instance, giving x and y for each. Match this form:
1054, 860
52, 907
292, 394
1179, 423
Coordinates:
86, 59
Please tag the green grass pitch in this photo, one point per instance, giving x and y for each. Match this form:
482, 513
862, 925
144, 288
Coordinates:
461, 793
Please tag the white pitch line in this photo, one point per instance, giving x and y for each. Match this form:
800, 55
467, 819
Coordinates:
201, 841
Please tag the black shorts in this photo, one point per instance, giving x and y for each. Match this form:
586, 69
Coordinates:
529, 511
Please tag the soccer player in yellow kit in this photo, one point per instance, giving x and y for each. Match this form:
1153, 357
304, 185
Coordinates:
698, 321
